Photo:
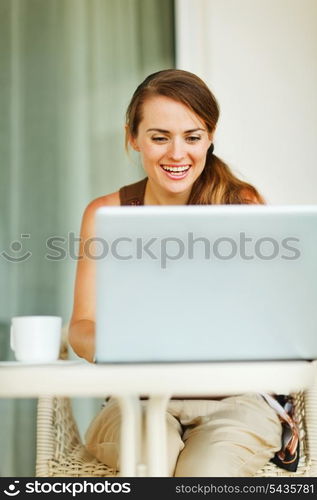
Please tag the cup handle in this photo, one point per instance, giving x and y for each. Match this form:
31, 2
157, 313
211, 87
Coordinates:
12, 338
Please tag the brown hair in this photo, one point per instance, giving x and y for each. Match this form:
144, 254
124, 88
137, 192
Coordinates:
216, 184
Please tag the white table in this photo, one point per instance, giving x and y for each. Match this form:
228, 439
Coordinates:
158, 382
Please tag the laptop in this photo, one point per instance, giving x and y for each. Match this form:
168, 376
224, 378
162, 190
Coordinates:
206, 283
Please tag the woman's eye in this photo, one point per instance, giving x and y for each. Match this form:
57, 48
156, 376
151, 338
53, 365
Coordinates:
159, 139
193, 138
190, 139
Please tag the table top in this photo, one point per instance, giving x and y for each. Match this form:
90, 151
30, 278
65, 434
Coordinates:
80, 378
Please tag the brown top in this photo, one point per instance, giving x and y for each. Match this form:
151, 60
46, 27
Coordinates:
133, 194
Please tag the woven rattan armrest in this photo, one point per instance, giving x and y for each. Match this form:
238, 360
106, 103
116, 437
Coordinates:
60, 451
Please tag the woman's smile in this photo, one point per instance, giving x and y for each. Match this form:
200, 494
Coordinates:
176, 172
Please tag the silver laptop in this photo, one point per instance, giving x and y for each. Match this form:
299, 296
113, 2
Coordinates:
206, 283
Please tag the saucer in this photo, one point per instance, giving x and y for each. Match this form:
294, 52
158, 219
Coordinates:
37, 363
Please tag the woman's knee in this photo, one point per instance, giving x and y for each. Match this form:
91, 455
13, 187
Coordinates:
236, 440
103, 435
221, 460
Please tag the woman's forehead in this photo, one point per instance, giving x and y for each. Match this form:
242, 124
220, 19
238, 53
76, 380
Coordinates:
163, 113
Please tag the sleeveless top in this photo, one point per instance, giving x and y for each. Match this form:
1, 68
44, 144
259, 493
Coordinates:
133, 194
288, 456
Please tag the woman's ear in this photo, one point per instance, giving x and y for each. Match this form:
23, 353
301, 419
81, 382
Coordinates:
131, 140
133, 143
211, 137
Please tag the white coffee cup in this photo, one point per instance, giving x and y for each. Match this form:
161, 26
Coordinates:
36, 339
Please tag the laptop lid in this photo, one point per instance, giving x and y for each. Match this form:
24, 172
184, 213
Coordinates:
206, 283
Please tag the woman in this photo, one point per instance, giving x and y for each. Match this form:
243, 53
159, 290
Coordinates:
171, 121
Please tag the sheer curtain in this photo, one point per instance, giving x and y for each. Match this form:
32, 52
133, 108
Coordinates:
68, 69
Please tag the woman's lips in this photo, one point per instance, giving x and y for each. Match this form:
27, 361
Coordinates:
176, 175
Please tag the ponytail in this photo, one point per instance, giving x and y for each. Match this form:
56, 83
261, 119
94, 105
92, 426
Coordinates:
217, 185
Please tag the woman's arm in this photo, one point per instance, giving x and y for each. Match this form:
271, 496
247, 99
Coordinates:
81, 334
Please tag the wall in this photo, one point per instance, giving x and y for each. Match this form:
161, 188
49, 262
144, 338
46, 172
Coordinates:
259, 57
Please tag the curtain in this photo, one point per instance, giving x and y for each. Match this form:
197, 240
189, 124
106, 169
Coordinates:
67, 71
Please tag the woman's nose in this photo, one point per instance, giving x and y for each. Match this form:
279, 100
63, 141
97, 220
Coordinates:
176, 150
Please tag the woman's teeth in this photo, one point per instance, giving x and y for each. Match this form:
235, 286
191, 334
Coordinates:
175, 169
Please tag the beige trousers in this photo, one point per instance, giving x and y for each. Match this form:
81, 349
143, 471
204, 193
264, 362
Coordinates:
232, 437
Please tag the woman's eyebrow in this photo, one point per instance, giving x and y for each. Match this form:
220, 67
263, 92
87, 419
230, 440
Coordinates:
162, 131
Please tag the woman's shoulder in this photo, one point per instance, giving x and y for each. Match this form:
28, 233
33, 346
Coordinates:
112, 199
107, 200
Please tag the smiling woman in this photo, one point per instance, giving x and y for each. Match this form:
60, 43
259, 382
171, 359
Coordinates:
171, 121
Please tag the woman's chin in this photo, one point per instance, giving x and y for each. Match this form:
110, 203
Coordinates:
179, 186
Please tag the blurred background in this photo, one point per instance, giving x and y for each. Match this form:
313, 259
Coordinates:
68, 69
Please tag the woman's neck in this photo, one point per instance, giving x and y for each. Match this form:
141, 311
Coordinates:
158, 196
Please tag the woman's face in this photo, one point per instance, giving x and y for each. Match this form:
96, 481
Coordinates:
173, 143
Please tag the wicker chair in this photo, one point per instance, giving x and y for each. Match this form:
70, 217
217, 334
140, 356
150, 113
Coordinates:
61, 453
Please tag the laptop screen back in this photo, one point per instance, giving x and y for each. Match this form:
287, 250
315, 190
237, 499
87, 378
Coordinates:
206, 283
